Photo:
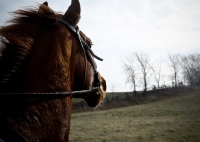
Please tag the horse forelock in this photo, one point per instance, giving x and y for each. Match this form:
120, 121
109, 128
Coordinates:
17, 38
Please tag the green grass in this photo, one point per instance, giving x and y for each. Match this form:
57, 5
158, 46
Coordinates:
172, 120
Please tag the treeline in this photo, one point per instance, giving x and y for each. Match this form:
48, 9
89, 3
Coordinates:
140, 71
123, 99
190, 66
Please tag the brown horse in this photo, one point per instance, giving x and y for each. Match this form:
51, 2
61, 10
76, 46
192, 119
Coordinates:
42, 53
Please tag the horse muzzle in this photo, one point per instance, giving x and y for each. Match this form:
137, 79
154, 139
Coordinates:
95, 98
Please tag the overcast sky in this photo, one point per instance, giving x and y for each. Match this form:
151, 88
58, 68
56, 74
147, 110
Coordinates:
120, 27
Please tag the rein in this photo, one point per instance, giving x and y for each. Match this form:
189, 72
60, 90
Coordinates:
74, 94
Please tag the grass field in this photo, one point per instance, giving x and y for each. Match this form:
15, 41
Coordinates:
171, 120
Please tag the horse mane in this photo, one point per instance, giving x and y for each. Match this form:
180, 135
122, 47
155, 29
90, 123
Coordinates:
18, 36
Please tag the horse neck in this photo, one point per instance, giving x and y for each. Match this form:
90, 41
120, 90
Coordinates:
43, 119
48, 69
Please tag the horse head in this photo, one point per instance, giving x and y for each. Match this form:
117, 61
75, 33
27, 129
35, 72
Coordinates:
72, 15
42, 54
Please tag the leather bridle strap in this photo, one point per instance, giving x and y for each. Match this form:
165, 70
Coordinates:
79, 37
76, 31
74, 94
86, 50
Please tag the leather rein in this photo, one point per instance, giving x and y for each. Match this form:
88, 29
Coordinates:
88, 53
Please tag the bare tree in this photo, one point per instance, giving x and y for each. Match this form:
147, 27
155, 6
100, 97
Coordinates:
175, 66
157, 72
143, 62
190, 65
130, 70
187, 72
195, 59
137, 68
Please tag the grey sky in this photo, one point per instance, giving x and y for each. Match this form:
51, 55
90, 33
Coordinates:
119, 27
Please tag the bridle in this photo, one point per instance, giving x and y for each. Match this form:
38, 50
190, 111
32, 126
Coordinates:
88, 53
86, 48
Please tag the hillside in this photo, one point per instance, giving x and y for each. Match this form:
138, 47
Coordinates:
123, 99
174, 119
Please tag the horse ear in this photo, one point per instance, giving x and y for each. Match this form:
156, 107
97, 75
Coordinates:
44, 8
45, 3
73, 13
